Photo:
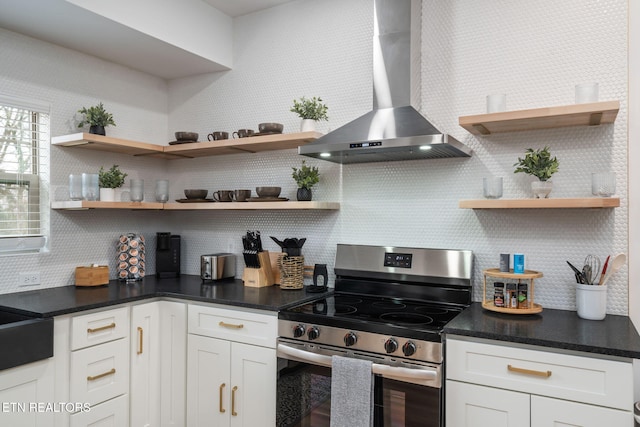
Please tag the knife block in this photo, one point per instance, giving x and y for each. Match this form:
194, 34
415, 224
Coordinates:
259, 277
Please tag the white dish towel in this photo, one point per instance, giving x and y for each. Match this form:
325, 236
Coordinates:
351, 392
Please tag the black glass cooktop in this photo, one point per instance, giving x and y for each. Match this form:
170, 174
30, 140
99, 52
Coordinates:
383, 315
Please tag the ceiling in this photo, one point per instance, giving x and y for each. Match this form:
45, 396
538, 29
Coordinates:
236, 8
64, 24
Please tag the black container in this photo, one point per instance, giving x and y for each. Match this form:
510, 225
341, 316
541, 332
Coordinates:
321, 275
167, 255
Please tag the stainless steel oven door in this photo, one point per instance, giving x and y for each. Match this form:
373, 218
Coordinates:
406, 393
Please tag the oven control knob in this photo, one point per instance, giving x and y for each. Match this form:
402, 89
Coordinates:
391, 345
298, 331
409, 348
350, 339
313, 333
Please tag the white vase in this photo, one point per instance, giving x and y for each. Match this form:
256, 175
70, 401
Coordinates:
308, 125
107, 195
541, 189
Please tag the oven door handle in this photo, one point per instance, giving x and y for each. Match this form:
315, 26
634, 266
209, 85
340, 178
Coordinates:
376, 368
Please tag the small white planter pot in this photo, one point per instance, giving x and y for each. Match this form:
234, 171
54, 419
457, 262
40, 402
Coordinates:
308, 125
541, 189
107, 194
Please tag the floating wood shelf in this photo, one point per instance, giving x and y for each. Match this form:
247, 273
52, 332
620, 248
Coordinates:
288, 205
84, 204
254, 144
591, 114
572, 203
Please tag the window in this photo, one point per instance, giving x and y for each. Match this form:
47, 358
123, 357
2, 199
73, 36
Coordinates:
24, 167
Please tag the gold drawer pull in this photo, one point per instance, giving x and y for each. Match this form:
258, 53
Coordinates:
545, 374
101, 328
231, 325
233, 400
97, 377
222, 410
140, 332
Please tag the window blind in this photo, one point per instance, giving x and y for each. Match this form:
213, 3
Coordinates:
24, 161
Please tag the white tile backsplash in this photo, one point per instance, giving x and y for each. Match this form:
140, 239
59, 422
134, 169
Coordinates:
534, 52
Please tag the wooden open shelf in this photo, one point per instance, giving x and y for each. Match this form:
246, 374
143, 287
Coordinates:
288, 205
591, 114
254, 144
570, 203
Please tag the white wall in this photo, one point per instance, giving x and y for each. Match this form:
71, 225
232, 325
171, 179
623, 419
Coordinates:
535, 52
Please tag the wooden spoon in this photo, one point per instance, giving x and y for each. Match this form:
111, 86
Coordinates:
618, 261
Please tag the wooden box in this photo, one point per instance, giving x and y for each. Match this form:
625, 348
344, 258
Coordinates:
92, 276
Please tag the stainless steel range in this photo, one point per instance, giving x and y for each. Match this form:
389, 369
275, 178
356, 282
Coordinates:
389, 306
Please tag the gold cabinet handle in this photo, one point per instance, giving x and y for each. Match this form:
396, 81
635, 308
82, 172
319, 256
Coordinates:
545, 374
231, 325
97, 377
222, 410
101, 328
140, 332
233, 400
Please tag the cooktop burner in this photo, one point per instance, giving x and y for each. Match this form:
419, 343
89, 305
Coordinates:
375, 314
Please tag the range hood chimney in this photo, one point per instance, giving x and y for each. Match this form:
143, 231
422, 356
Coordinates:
394, 130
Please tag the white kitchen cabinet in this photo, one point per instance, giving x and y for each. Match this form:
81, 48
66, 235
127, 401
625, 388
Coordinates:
23, 386
110, 413
231, 367
487, 380
471, 405
229, 383
158, 364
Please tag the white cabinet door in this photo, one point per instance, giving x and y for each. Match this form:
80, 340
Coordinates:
173, 363
470, 405
145, 365
112, 413
547, 412
208, 381
23, 386
253, 385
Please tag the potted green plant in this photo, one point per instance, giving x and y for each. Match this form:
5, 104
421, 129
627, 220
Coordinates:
310, 111
306, 177
540, 164
97, 118
109, 180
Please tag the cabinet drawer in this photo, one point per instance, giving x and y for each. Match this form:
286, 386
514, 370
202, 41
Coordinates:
577, 378
115, 412
99, 373
100, 327
551, 412
234, 325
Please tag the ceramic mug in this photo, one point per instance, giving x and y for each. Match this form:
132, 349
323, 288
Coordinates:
223, 196
218, 135
241, 195
243, 133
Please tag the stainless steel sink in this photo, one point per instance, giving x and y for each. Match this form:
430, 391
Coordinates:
24, 339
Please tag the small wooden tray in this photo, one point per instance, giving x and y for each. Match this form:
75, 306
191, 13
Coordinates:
92, 276
488, 305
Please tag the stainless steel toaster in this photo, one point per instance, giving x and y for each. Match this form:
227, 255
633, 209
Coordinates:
217, 266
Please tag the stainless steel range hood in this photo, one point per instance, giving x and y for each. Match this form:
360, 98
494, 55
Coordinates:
394, 130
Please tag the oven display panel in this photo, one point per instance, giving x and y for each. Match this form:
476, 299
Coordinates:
392, 259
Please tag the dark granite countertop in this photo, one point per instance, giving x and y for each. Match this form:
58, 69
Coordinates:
70, 299
560, 329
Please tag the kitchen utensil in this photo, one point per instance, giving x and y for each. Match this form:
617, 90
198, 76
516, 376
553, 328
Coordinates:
186, 136
268, 191
592, 262
291, 246
604, 268
578, 273
270, 127
196, 194
616, 264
